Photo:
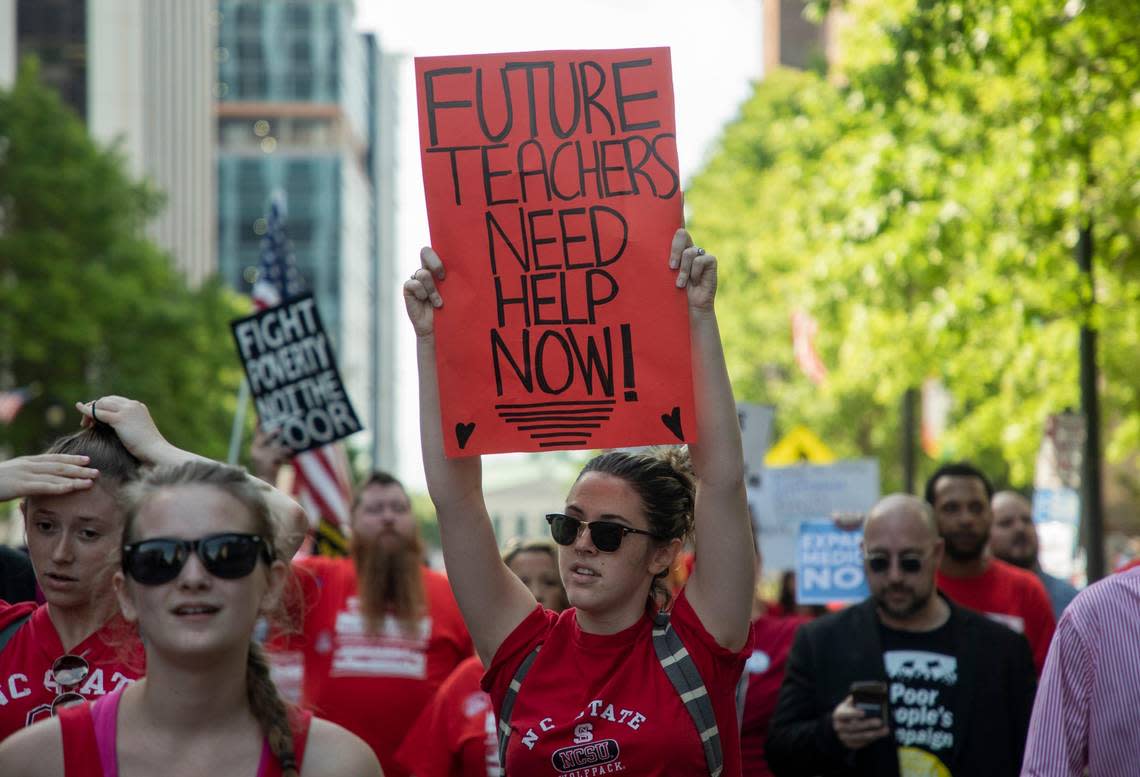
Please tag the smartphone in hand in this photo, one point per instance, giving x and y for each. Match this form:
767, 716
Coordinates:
871, 697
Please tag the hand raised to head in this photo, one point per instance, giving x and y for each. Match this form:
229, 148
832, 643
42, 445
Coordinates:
44, 475
132, 422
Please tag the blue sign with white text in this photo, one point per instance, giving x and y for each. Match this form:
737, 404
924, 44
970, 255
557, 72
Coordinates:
829, 564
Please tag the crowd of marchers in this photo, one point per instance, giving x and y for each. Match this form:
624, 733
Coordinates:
164, 622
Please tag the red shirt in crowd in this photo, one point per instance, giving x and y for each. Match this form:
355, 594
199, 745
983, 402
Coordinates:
27, 688
601, 703
373, 684
772, 639
455, 735
1009, 595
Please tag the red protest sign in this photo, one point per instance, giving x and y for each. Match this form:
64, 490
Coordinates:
553, 193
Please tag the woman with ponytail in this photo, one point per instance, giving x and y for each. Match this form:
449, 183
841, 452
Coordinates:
624, 680
198, 569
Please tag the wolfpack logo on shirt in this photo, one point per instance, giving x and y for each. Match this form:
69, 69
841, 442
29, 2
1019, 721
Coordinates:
587, 757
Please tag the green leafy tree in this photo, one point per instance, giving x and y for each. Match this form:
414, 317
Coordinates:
923, 204
89, 306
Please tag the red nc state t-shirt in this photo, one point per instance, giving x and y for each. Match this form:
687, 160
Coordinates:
374, 684
1011, 596
27, 689
597, 704
455, 735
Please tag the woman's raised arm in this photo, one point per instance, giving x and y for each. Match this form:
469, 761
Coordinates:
492, 599
720, 588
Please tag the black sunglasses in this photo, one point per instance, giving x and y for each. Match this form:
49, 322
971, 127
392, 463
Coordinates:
606, 535
908, 565
229, 556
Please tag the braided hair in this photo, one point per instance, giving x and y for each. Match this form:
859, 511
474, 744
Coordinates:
270, 710
266, 704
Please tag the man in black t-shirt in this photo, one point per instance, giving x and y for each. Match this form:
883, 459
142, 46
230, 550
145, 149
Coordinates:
959, 687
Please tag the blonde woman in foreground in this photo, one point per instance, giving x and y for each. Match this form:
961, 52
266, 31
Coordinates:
198, 569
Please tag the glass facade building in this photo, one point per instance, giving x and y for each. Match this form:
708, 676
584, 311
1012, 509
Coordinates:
55, 32
295, 91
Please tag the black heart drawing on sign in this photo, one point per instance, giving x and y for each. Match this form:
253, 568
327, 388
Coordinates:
463, 433
672, 421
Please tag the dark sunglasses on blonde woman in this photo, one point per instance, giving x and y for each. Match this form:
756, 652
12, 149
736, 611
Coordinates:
606, 535
229, 556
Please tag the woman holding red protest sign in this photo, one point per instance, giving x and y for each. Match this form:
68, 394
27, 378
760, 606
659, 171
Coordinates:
619, 680
197, 570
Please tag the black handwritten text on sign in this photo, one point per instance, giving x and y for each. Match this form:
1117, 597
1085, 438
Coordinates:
553, 193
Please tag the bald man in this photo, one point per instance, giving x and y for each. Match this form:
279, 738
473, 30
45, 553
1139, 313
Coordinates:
1013, 538
959, 687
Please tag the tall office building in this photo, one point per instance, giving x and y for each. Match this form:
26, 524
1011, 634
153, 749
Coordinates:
140, 73
55, 31
300, 109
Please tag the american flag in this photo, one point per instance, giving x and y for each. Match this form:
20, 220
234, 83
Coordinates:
277, 276
11, 402
321, 482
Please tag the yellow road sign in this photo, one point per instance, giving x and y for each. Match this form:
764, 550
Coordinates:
799, 446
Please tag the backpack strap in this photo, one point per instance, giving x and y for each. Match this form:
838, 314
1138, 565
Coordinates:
10, 630
508, 707
741, 697
682, 672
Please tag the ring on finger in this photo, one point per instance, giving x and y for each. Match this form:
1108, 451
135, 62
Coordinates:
700, 251
94, 417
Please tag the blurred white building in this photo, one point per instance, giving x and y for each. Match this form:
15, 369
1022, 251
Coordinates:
141, 74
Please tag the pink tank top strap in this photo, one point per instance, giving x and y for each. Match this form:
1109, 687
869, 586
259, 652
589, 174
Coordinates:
105, 716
